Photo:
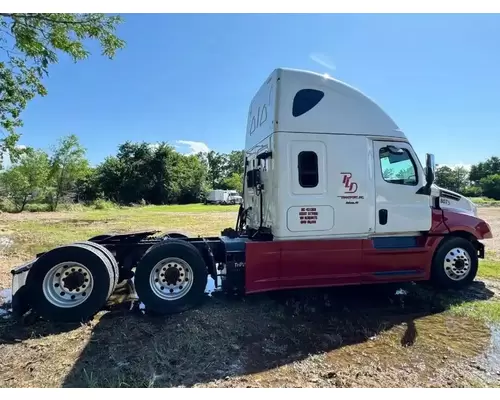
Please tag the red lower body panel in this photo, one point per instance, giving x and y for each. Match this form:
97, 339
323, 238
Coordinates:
319, 263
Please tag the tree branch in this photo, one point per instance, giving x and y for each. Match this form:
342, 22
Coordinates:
44, 18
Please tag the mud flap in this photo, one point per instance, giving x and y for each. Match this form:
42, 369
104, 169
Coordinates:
20, 301
480, 249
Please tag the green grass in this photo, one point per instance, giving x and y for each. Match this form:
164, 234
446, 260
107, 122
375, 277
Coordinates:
485, 201
201, 208
489, 269
486, 310
103, 205
36, 232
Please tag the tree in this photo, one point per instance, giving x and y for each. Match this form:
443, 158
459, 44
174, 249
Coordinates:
444, 177
140, 172
456, 179
491, 186
483, 169
406, 173
388, 173
190, 178
87, 187
109, 179
67, 165
156, 174
236, 162
27, 179
30, 43
233, 182
217, 168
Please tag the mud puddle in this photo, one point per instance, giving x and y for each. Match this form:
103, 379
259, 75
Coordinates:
434, 347
5, 303
489, 361
403, 336
5, 243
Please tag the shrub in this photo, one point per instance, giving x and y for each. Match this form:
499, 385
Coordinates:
491, 186
69, 207
37, 207
472, 191
101, 204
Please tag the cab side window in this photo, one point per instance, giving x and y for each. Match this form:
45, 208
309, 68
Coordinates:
398, 166
308, 169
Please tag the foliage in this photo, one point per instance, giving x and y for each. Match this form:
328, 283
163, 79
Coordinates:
483, 169
482, 180
68, 165
472, 191
491, 186
101, 204
155, 174
236, 161
28, 179
217, 164
455, 179
30, 43
233, 181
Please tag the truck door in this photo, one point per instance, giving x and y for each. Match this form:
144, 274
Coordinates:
398, 177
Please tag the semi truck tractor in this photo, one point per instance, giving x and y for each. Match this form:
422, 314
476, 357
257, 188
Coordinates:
334, 194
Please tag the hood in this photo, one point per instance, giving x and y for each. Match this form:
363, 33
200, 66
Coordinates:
449, 200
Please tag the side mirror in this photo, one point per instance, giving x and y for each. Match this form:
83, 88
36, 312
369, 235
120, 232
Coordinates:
430, 169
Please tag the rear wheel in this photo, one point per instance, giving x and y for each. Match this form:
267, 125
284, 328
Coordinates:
171, 277
107, 254
455, 263
70, 283
174, 235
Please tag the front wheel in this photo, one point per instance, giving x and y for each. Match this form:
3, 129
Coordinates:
455, 263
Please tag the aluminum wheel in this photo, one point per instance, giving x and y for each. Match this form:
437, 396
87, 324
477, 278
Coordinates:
171, 278
457, 264
68, 284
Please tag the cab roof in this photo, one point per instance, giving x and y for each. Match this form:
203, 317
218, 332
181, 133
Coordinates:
293, 100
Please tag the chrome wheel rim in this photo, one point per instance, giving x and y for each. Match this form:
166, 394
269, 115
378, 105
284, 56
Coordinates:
457, 264
68, 284
171, 278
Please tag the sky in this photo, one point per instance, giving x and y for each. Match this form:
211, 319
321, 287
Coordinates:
189, 79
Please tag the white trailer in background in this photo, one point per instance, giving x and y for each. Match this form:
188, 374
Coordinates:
221, 196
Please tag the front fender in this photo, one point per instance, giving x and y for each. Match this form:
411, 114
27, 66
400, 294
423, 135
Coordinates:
456, 221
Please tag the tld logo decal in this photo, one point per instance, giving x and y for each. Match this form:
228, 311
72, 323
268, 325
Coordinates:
350, 187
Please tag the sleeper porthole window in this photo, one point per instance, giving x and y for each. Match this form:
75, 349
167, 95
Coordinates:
305, 100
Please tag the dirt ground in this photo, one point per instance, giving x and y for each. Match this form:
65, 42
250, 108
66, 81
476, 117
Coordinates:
378, 336
492, 216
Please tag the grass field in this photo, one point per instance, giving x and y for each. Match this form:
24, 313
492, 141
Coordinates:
485, 202
353, 336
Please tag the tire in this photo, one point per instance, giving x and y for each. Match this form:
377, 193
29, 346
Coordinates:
158, 295
55, 307
174, 235
445, 267
112, 260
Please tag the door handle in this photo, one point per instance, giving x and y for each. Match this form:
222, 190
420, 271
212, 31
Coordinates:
382, 216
